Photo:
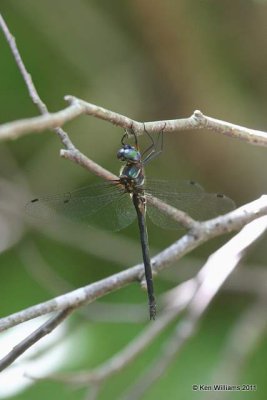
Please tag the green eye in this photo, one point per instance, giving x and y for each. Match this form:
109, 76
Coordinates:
129, 153
133, 155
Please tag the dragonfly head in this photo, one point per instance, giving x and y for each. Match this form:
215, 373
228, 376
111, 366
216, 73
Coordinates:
129, 154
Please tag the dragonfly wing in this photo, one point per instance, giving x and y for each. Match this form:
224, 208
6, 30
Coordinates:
184, 202
162, 220
187, 196
182, 195
94, 204
158, 186
211, 205
114, 216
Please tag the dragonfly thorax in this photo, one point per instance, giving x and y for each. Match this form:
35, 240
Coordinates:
132, 175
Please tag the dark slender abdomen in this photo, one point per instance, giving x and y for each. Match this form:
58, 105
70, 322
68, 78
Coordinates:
139, 203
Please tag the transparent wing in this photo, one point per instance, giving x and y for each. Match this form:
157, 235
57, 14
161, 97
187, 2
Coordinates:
212, 205
115, 215
102, 204
187, 196
154, 186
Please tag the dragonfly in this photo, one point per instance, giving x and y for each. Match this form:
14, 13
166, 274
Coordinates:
115, 204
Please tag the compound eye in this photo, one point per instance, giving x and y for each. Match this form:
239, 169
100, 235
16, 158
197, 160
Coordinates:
121, 154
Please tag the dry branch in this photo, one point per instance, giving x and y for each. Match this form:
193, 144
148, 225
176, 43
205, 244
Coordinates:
34, 337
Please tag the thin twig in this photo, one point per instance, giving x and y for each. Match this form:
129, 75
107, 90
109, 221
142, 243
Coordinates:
77, 107
34, 337
196, 121
13, 130
85, 162
26, 76
72, 113
107, 115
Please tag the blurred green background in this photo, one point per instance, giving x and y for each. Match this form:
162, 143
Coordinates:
149, 60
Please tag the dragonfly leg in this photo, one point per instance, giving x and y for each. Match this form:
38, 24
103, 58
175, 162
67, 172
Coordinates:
126, 135
155, 148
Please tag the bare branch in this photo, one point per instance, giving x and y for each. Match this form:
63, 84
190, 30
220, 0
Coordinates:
107, 115
13, 130
34, 337
36, 100
205, 231
251, 136
81, 159
196, 121
26, 76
